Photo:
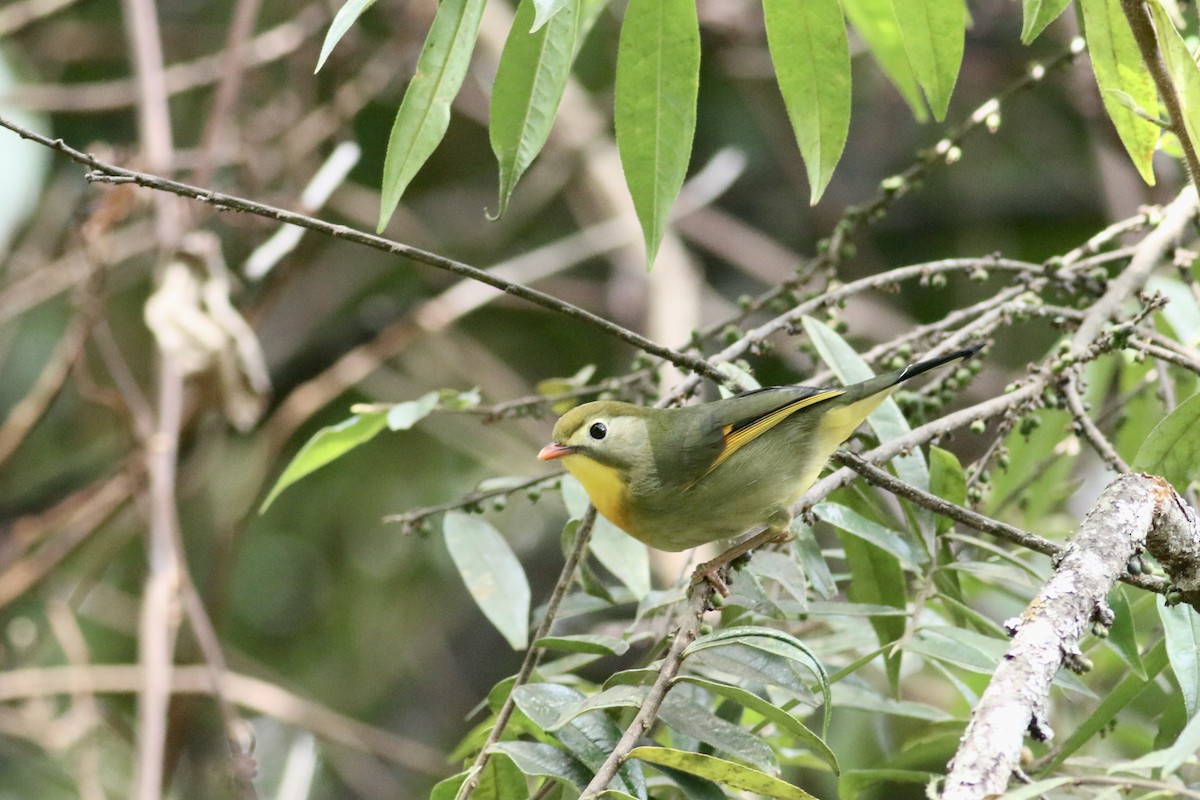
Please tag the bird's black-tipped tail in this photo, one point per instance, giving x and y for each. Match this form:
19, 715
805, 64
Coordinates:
913, 370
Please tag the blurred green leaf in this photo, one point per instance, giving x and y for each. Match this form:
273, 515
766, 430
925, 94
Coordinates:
326, 445
721, 771
1172, 450
447, 789
875, 21
530, 80
492, 573
1035, 790
876, 579
784, 571
622, 555
1037, 14
770, 712
933, 32
815, 567
403, 416
1119, 68
1181, 631
350, 11
424, 112
947, 481
855, 780
847, 696
808, 46
658, 78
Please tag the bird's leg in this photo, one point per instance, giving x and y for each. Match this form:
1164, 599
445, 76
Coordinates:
716, 570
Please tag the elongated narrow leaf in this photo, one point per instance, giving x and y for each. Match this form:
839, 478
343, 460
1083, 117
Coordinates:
777, 716
545, 761
530, 80
1037, 14
721, 771
424, 113
876, 578
345, 17
947, 480
326, 445
1123, 79
933, 32
594, 643
1172, 450
811, 54
875, 21
1122, 636
403, 416
851, 521
697, 722
1185, 74
1181, 629
658, 78
622, 555
492, 573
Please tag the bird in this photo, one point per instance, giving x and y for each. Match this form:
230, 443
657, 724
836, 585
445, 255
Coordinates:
676, 478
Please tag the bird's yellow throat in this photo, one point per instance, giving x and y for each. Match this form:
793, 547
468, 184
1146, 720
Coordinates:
603, 485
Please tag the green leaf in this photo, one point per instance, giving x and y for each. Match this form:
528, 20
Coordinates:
875, 21
808, 46
346, 16
492, 573
1181, 629
884, 538
530, 80
876, 578
590, 737
424, 113
544, 11
721, 771
933, 32
946, 480
1037, 14
594, 643
1172, 450
544, 761
326, 445
403, 416
622, 555
815, 567
847, 696
1119, 68
855, 780
780, 718
1181, 64
1122, 637
658, 78
697, 722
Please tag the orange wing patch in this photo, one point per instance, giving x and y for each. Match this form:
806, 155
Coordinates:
735, 439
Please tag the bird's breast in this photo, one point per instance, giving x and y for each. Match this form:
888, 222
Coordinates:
604, 487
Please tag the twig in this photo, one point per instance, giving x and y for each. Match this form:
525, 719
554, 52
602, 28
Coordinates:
532, 654
1093, 434
410, 519
105, 172
973, 519
685, 634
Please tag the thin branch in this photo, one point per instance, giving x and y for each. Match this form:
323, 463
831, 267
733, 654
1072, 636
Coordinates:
533, 654
1093, 434
685, 634
105, 172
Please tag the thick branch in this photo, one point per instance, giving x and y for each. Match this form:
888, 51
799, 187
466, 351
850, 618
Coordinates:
1047, 634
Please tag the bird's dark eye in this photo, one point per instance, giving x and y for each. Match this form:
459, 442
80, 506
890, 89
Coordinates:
598, 430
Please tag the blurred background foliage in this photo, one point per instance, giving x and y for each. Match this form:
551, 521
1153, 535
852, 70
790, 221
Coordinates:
318, 595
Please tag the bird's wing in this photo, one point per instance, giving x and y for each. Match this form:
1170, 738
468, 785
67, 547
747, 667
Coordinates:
748, 418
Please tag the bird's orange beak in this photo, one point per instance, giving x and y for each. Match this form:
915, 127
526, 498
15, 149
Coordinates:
554, 450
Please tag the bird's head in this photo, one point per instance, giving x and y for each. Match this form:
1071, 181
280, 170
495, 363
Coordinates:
607, 432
